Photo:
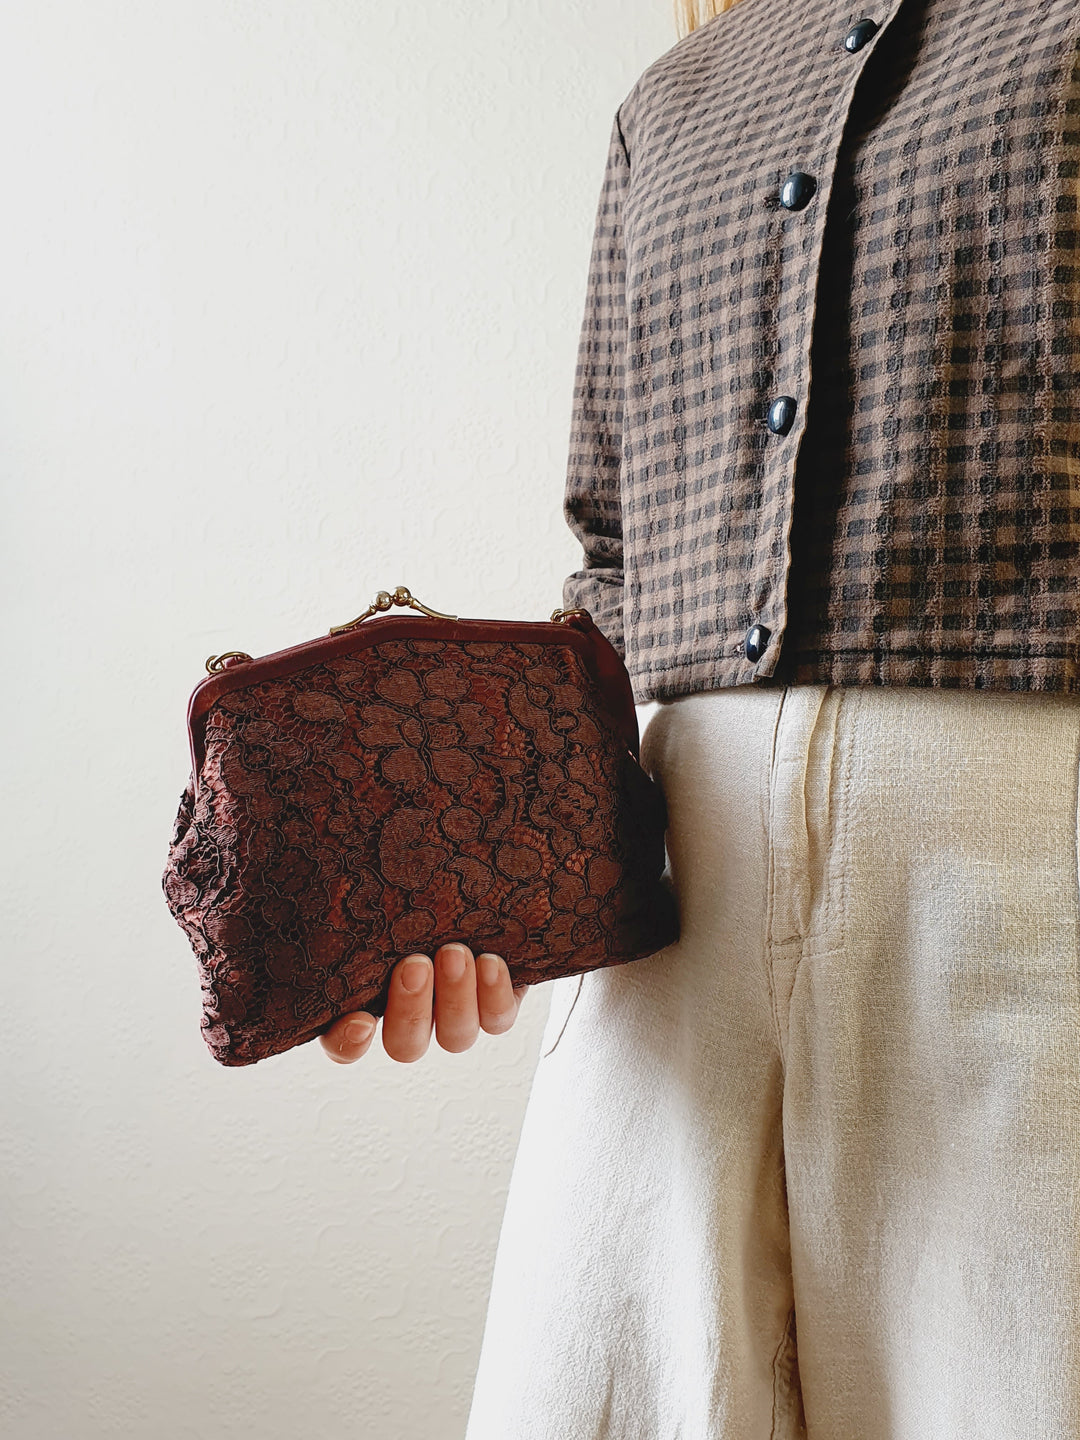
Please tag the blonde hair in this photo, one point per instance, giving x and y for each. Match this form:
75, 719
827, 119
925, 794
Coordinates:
689, 14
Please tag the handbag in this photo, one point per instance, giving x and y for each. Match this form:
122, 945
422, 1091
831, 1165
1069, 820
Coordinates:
405, 781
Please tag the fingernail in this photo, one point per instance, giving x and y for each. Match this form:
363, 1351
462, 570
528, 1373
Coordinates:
359, 1031
488, 968
453, 962
414, 974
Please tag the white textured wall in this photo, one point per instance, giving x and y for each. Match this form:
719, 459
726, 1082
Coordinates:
289, 302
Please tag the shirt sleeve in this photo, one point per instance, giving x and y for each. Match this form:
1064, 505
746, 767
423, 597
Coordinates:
592, 505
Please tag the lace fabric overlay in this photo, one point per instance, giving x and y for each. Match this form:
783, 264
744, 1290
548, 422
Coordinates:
386, 802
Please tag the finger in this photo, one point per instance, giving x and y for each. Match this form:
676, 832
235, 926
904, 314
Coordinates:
406, 1029
497, 998
349, 1037
457, 1021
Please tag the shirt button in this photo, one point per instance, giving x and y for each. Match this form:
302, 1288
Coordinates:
757, 637
781, 415
797, 190
858, 35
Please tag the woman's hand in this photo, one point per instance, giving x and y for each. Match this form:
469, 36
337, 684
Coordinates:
470, 996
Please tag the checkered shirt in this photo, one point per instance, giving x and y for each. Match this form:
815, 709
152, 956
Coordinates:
917, 522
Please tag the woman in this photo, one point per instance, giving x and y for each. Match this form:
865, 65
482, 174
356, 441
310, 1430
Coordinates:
814, 1169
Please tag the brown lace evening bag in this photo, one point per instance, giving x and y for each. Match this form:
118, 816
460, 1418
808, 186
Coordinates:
400, 783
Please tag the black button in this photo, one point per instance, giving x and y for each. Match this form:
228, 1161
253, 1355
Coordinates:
797, 190
858, 35
757, 637
781, 414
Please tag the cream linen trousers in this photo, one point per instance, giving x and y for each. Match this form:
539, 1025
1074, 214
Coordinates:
815, 1169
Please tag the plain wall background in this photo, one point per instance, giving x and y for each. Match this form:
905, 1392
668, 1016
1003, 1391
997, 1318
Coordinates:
289, 306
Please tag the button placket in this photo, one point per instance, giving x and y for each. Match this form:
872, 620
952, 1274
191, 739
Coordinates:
796, 192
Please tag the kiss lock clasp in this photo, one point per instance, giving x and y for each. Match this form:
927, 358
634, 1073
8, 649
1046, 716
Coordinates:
383, 601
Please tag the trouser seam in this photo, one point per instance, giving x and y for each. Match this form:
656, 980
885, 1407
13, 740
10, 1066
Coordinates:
784, 1340
771, 883
1076, 865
